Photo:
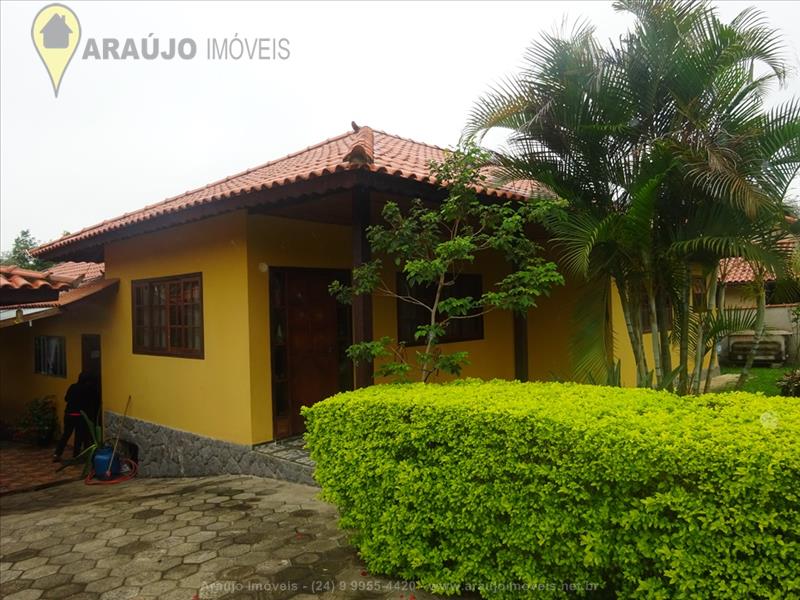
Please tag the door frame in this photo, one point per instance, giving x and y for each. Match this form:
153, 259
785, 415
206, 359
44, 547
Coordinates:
282, 428
99, 374
84, 338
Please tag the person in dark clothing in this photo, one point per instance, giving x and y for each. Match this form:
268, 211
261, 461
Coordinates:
80, 397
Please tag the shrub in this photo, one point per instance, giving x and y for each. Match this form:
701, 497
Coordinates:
40, 421
789, 384
546, 485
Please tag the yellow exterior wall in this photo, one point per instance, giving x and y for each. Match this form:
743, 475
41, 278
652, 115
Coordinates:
210, 397
549, 327
18, 382
549, 334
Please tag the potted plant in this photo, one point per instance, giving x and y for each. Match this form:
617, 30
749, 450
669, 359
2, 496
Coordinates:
87, 454
98, 453
40, 420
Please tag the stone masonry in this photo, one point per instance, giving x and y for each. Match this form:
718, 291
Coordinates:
167, 452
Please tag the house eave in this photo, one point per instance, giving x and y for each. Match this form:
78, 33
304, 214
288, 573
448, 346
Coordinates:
91, 247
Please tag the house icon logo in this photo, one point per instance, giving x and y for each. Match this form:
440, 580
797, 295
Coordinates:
56, 33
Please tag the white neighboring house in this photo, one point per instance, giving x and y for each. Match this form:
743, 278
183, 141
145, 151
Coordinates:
780, 343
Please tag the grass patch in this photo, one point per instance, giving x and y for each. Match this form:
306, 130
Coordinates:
761, 379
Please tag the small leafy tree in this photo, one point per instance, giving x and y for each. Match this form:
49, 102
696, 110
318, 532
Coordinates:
431, 244
20, 256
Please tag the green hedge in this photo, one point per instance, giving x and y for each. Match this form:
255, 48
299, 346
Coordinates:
530, 488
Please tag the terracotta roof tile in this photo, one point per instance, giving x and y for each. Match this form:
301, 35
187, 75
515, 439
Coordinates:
737, 270
13, 277
362, 151
364, 148
86, 271
70, 296
85, 290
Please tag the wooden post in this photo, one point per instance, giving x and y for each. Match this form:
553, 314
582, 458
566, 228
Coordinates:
520, 347
362, 305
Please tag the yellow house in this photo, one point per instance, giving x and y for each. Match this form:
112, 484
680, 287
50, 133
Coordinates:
221, 326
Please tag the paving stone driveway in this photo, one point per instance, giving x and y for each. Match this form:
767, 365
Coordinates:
182, 539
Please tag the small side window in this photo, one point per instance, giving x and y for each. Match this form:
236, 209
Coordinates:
50, 355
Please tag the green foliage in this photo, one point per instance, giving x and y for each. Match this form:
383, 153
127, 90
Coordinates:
431, 244
87, 454
19, 254
642, 492
668, 157
397, 369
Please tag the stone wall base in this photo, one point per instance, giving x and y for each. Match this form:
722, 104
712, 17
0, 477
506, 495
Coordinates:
167, 452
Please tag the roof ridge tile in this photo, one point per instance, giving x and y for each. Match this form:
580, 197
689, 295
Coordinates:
363, 149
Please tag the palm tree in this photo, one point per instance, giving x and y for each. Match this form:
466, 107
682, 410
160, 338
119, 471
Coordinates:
650, 141
710, 236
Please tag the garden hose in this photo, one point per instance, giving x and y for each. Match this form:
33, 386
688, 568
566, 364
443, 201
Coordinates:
133, 469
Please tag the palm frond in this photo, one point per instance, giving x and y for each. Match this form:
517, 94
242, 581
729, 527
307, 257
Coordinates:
591, 346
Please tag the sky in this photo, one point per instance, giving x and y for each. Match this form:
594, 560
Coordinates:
125, 133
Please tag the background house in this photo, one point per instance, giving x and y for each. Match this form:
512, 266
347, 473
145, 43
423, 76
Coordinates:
783, 336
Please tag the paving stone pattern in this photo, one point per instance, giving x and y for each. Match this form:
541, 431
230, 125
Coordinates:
232, 537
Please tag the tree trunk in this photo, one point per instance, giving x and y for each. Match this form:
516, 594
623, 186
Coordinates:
699, 354
683, 376
719, 300
427, 369
711, 360
663, 328
633, 326
761, 312
655, 335
700, 351
794, 314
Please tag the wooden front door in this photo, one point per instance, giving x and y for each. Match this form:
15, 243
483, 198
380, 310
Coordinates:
310, 333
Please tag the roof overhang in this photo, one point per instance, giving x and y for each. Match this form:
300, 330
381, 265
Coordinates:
19, 285
17, 316
23, 313
14, 296
90, 248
